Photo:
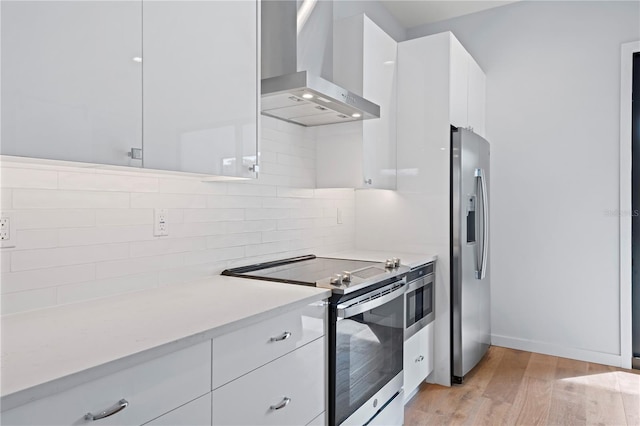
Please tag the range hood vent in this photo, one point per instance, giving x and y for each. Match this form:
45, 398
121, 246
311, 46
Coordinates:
300, 97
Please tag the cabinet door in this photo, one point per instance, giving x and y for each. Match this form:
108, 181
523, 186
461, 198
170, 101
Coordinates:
72, 80
418, 358
458, 83
476, 98
151, 389
379, 86
201, 86
288, 391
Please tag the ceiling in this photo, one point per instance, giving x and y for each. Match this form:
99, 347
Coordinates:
412, 13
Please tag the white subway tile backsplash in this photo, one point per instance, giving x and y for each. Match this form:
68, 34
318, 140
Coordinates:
259, 214
267, 248
273, 236
247, 189
41, 278
285, 192
119, 268
214, 255
168, 201
5, 261
114, 217
295, 223
21, 178
213, 215
6, 199
197, 229
296, 161
55, 199
162, 245
234, 240
282, 203
230, 202
106, 182
35, 238
105, 235
85, 233
108, 287
49, 258
55, 218
250, 226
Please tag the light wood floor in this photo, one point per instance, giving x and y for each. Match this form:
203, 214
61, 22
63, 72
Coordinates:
511, 387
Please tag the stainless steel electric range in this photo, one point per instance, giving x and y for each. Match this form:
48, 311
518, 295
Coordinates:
366, 334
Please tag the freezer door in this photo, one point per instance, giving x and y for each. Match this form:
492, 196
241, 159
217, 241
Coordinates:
470, 277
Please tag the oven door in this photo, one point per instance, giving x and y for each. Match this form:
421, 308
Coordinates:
368, 354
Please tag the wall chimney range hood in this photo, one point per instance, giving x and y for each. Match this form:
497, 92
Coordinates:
301, 97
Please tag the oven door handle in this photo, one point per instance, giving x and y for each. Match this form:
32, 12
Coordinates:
349, 311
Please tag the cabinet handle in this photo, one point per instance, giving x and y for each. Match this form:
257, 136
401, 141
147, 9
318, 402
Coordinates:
283, 336
283, 404
420, 358
368, 181
116, 408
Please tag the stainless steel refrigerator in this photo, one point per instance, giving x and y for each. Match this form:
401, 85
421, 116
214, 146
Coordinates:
470, 279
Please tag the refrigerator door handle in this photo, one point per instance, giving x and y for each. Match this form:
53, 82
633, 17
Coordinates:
482, 271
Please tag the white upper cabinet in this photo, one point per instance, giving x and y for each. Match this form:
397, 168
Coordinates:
439, 85
362, 154
72, 80
200, 79
467, 86
477, 98
79, 79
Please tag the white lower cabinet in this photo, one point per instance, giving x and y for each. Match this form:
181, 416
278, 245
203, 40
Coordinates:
150, 390
244, 350
418, 359
287, 391
270, 373
195, 413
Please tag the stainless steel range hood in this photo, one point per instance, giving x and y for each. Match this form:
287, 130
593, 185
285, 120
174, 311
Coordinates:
301, 97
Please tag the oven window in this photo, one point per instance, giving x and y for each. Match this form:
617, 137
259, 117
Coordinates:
368, 355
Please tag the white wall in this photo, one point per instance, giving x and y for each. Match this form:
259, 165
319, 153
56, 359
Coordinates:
86, 233
553, 79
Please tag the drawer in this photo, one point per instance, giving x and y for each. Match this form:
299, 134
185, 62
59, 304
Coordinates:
418, 358
299, 376
195, 413
244, 350
151, 389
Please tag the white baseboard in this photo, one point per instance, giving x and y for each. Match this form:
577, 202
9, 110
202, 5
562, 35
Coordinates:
557, 350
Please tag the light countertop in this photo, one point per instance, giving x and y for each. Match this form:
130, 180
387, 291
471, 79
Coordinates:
50, 350
408, 259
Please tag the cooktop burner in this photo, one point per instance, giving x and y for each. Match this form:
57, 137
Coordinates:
339, 275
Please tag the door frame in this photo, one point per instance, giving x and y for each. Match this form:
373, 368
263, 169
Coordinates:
626, 85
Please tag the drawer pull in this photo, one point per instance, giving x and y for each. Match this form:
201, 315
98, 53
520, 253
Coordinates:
420, 358
116, 408
283, 336
283, 404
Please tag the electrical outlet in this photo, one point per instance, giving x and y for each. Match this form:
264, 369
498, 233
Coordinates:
160, 223
5, 230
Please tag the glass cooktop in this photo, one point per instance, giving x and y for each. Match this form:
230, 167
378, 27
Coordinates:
310, 270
